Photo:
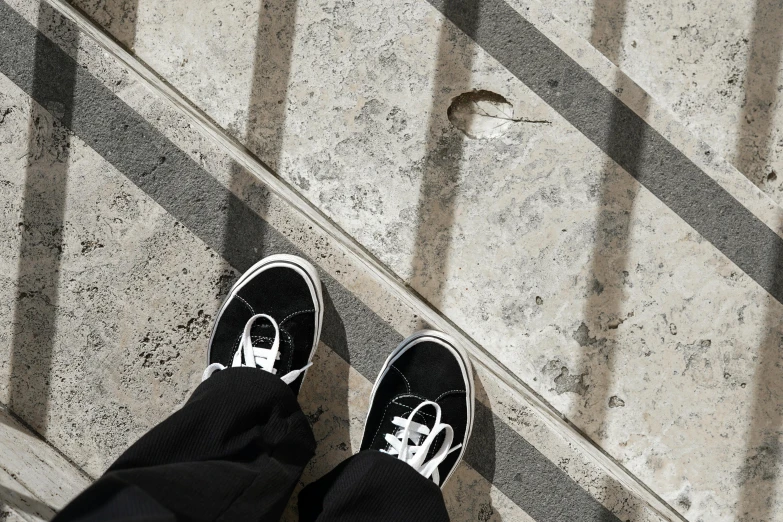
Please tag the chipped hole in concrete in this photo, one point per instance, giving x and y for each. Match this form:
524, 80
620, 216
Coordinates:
484, 114
616, 402
614, 324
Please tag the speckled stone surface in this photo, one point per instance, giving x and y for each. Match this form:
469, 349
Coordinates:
716, 65
357, 105
122, 295
579, 280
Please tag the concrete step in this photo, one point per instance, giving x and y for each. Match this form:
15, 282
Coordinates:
714, 65
606, 263
131, 215
35, 479
630, 291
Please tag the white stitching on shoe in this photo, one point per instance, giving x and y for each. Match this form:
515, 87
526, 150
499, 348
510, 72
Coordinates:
407, 384
287, 336
246, 303
293, 347
448, 392
387, 409
295, 313
410, 408
290, 339
283, 334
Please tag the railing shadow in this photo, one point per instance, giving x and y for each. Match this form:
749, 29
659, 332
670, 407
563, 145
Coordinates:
266, 106
265, 123
325, 399
758, 476
603, 312
41, 225
607, 28
755, 135
325, 392
438, 192
471, 498
439, 186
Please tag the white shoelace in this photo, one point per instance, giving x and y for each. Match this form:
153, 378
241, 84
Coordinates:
404, 442
255, 357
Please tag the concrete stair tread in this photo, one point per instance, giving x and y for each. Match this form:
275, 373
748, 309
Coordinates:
578, 288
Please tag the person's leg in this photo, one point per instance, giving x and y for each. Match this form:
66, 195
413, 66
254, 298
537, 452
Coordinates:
233, 452
417, 429
372, 486
238, 446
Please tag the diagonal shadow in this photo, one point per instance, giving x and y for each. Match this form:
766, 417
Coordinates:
758, 476
41, 224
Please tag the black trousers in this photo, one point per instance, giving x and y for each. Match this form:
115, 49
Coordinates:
235, 452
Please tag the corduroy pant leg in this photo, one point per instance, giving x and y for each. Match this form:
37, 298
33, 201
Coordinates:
372, 486
233, 452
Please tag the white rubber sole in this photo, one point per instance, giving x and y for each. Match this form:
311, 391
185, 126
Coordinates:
467, 373
302, 267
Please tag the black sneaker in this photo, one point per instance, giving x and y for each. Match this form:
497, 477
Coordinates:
421, 409
271, 319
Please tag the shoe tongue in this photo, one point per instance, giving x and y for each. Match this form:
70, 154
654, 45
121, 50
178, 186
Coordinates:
402, 407
262, 334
